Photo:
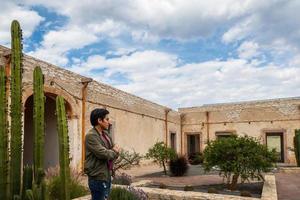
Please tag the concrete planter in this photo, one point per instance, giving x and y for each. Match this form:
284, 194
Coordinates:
269, 193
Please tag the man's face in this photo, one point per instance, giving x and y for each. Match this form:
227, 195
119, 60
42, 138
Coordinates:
104, 123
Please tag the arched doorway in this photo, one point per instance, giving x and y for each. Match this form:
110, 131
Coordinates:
51, 158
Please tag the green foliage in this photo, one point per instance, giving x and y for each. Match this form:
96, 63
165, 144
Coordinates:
29, 195
188, 188
17, 197
297, 146
126, 160
122, 179
38, 120
27, 180
121, 193
178, 166
63, 140
16, 109
3, 137
161, 154
162, 186
245, 193
212, 190
196, 158
75, 187
238, 157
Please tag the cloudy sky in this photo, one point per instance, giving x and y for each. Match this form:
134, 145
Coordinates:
178, 53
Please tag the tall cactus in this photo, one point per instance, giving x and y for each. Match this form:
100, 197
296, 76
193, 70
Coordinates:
38, 120
63, 141
16, 109
27, 180
3, 137
297, 146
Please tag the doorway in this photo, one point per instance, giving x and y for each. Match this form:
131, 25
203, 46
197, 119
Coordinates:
51, 149
193, 143
274, 140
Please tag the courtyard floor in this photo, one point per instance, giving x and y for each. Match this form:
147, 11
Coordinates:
288, 184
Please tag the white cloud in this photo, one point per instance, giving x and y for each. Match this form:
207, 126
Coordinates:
28, 19
165, 80
178, 19
248, 50
56, 44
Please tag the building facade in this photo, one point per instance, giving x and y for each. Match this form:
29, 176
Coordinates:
139, 123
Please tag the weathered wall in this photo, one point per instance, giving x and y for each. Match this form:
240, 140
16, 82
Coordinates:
138, 123
248, 118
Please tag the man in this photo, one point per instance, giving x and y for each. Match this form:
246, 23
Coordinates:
100, 152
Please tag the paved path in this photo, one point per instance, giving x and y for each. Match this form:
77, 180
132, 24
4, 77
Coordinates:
288, 186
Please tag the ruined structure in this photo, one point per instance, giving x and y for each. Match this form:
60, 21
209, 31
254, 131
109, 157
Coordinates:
139, 123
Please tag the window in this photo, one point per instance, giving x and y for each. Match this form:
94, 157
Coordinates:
173, 141
274, 140
224, 134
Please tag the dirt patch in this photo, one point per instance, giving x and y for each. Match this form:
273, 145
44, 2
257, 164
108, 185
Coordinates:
255, 189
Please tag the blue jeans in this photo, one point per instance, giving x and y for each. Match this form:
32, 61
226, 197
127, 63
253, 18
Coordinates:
99, 189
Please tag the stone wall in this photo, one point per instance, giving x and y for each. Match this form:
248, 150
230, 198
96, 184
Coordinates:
254, 118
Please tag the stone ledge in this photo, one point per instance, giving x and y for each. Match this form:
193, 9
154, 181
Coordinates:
289, 169
269, 193
269, 190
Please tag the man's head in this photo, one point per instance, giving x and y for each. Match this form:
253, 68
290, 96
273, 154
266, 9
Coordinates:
99, 117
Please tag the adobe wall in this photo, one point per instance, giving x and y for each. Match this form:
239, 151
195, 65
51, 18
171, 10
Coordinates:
246, 118
138, 123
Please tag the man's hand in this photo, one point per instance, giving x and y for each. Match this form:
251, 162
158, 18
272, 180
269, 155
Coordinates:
116, 149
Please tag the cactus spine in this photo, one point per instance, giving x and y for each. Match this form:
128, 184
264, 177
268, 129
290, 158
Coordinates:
38, 120
3, 137
16, 109
297, 146
63, 141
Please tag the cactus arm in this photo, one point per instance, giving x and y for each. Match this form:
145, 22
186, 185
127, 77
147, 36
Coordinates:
38, 120
3, 137
16, 109
27, 180
64, 159
297, 146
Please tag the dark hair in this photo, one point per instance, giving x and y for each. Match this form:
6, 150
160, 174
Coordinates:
96, 114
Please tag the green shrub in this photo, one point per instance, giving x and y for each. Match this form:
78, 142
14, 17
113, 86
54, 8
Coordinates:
239, 157
178, 166
161, 154
213, 190
122, 179
245, 194
162, 186
121, 193
196, 158
188, 188
54, 184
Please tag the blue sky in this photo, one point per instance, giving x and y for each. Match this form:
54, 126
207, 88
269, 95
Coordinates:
173, 52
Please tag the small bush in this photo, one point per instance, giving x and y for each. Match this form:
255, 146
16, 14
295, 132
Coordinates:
162, 186
213, 190
54, 184
178, 166
122, 179
161, 154
140, 194
245, 194
121, 193
188, 188
129, 193
196, 158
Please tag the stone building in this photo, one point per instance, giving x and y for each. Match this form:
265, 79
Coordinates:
139, 123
